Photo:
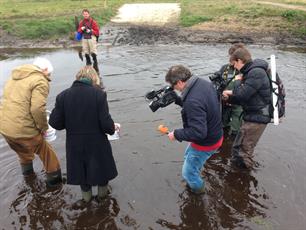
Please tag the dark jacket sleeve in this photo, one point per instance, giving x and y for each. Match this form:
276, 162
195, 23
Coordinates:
243, 91
57, 116
105, 119
196, 118
178, 101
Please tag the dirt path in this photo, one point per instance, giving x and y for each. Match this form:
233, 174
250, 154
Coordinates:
156, 14
287, 6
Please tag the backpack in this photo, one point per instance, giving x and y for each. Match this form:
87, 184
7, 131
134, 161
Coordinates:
280, 103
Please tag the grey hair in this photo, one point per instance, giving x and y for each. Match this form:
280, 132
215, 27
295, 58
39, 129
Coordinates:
177, 73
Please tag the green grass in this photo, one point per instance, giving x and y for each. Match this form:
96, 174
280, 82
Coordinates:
33, 19
290, 2
43, 28
190, 20
293, 15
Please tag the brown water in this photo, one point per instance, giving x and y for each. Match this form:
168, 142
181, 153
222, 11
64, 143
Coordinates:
149, 193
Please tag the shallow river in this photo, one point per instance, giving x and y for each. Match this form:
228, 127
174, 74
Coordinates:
149, 193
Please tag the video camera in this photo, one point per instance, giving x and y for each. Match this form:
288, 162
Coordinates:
218, 82
161, 98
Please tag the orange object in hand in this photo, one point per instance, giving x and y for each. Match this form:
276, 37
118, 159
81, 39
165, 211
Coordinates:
163, 129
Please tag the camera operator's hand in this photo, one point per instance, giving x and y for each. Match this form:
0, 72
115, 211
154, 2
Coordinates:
226, 94
178, 100
171, 136
238, 77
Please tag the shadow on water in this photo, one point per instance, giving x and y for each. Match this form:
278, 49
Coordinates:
39, 207
232, 198
148, 193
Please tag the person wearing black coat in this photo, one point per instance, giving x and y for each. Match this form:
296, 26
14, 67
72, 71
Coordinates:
83, 111
202, 125
253, 92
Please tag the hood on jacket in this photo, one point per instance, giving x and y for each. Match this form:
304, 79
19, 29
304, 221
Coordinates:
257, 63
25, 71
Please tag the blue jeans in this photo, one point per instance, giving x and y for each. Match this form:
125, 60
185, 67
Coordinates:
193, 162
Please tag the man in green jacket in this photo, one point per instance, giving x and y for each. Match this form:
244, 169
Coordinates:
23, 118
231, 114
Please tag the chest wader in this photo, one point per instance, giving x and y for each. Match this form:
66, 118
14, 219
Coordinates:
231, 115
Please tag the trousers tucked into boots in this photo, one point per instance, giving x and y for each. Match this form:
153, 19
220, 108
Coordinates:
87, 191
26, 148
88, 60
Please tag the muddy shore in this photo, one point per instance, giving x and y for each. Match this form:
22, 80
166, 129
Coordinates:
124, 34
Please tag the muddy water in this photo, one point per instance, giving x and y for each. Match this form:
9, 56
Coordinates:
149, 193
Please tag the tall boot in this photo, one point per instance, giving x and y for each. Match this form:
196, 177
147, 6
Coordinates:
54, 178
86, 193
102, 192
95, 62
88, 61
27, 169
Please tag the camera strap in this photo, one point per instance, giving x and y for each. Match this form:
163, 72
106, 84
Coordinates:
225, 73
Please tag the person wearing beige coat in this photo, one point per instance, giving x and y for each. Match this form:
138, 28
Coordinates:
23, 118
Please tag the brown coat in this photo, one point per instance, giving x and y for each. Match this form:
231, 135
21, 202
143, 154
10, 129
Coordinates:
23, 105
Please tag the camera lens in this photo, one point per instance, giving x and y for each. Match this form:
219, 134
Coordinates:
150, 95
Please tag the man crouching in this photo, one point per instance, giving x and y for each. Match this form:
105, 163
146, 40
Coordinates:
24, 120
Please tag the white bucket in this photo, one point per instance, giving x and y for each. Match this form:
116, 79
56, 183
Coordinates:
50, 134
116, 135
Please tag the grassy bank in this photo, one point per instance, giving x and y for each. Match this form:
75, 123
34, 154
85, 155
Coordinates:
34, 19
243, 15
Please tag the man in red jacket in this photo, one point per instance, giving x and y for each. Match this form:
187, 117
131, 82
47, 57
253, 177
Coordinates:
90, 31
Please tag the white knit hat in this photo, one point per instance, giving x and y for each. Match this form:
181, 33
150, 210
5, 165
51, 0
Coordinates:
43, 63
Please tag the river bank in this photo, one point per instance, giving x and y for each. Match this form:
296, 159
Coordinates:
114, 34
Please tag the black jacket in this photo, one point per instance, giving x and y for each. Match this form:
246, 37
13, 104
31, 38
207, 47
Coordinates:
83, 111
253, 92
201, 115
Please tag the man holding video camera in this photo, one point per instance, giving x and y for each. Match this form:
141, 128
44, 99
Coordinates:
224, 79
202, 125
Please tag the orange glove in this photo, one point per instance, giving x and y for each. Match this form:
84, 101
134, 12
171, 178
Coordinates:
163, 129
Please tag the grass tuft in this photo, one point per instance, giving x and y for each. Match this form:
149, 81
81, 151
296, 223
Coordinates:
190, 20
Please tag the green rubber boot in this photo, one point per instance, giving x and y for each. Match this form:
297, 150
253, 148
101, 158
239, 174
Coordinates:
199, 191
102, 192
87, 195
27, 169
54, 178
